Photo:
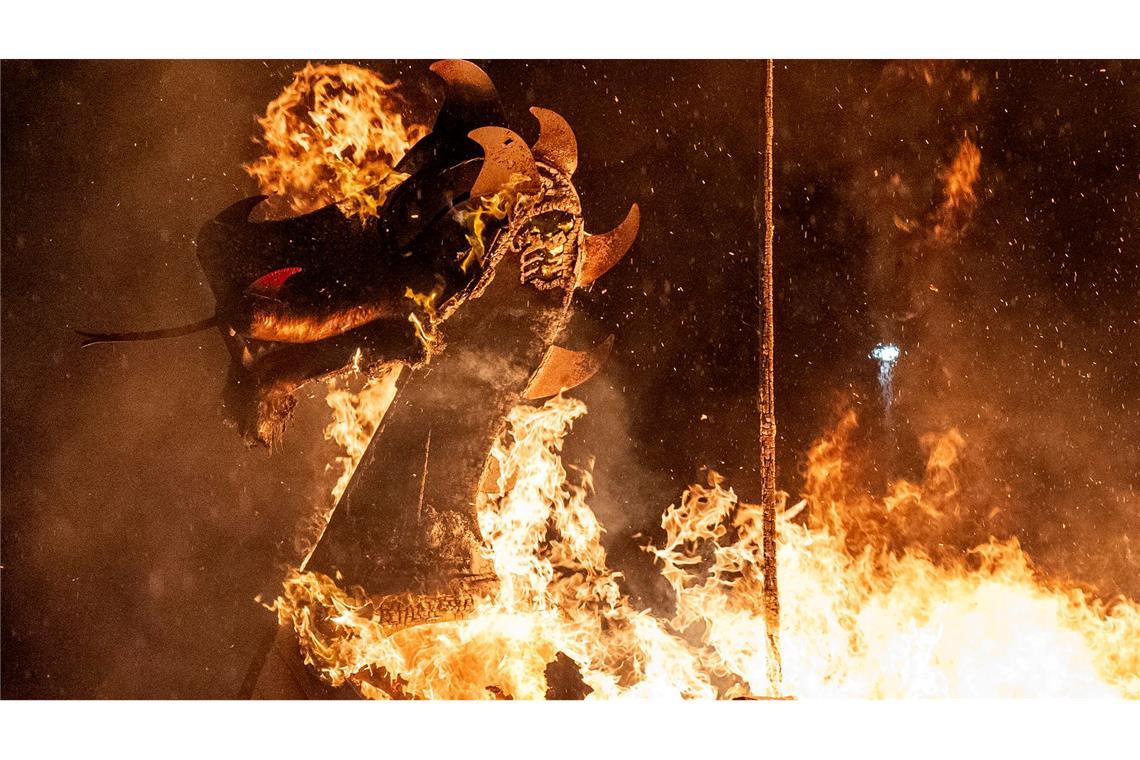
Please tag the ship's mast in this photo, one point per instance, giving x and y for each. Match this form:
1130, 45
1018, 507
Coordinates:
768, 409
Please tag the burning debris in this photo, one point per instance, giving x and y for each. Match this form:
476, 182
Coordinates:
462, 559
867, 610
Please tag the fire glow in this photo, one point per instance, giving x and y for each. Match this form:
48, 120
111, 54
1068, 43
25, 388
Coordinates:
860, 617
867, 611
333, 135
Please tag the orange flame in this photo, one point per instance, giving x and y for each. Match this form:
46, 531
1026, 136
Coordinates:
333, 136
959, 197
860, 618
867, 610
355, 418
474, 221
960, 176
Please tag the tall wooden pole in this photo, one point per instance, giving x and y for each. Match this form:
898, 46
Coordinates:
768, 411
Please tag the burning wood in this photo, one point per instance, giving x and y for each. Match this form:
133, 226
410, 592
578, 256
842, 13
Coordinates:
857, 593
463, 561
406, 529
868, 611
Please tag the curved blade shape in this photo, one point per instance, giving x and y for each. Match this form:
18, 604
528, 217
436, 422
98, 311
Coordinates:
505, 155
239, 212
563, 369
605, 250
470, 100
269, 285
556, 143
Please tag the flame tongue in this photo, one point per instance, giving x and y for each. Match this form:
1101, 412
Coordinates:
860, 618
552, 596
482, 582
333, 135
408, 521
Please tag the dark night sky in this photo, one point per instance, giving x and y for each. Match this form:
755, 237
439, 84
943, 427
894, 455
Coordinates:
137, 528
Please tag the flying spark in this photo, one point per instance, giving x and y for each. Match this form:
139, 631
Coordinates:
887, 355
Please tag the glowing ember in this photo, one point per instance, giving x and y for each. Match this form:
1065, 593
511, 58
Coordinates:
868, 612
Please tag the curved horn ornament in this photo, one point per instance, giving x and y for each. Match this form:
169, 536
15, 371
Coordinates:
562, 369
556, 143
238, 213
505, 155
464, 77
469, 100
604, 250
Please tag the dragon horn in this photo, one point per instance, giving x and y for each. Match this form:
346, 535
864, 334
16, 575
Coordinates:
238, 213
562, 369
556, 143
470, 99
505, 156
605, 250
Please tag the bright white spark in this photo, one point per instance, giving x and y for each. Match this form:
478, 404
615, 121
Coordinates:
885, 352
887, 355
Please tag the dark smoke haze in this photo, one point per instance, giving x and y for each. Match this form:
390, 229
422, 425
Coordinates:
138, 529
1022, 330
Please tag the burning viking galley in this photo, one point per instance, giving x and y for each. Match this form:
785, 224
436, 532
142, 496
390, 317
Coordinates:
458, 271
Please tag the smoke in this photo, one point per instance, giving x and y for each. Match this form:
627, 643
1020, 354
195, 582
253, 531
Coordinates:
1000, 259
137, 529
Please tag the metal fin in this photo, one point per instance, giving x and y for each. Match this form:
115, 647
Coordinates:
505, 155
238, 213
270, 284
562, 369
556, 143
470, 99
605, 250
